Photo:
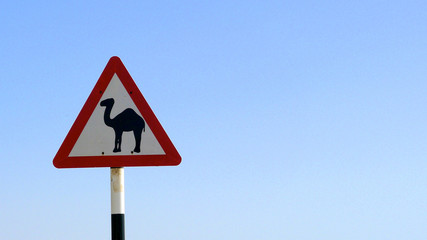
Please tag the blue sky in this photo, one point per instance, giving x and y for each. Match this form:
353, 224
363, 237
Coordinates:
294, 119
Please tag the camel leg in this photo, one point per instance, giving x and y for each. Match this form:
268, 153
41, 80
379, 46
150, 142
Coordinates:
118, 141
137, 134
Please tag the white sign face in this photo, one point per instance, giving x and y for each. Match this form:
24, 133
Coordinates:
116, 128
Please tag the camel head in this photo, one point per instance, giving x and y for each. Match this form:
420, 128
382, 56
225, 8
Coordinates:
107, 102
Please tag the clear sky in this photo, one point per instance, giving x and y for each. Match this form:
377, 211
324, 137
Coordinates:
294, 119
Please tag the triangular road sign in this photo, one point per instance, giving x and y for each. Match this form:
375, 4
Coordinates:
116, 128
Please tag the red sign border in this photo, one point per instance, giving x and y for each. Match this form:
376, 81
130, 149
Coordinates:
62, 158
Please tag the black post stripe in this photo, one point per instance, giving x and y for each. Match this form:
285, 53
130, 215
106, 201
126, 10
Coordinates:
117, 227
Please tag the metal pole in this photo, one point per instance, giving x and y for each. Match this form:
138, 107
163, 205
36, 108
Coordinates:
117, 203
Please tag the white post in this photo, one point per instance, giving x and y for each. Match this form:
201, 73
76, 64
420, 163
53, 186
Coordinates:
117, 203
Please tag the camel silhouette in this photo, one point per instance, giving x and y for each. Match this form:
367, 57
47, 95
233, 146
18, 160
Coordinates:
126, 121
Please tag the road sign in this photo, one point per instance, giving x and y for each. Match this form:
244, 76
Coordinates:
116, 128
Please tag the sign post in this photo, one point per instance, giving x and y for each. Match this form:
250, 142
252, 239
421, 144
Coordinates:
116, 128
117, 203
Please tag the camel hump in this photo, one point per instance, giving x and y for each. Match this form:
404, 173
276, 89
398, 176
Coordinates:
129, 114
129, 120
130, 111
